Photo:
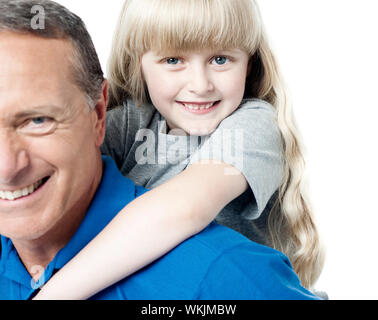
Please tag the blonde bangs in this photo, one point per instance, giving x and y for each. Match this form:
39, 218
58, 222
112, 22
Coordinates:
183, 25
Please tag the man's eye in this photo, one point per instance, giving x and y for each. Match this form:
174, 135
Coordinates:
38, 126
220, 60
39, 120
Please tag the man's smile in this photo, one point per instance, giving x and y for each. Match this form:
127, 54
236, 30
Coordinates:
22, 192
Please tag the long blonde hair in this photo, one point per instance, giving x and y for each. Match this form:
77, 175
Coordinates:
176, 26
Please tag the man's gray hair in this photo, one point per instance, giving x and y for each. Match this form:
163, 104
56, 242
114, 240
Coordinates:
57, 22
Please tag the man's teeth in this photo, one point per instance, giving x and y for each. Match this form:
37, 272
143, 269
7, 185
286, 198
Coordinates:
198, 107
13, 195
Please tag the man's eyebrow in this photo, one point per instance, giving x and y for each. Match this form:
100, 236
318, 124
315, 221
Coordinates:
33, 110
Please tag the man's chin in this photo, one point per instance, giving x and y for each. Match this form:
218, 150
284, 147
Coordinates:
25, 228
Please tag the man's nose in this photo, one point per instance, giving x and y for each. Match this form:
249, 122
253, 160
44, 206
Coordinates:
13, 158
200, 81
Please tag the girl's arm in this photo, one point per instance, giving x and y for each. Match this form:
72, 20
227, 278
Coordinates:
147, 228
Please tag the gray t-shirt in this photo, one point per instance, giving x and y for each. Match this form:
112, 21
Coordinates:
249, 140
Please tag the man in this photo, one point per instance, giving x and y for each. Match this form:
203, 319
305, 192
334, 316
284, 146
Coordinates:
57, 192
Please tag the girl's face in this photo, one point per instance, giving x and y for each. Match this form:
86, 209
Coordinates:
195, 91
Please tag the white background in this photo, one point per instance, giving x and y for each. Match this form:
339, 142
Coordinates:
328, 53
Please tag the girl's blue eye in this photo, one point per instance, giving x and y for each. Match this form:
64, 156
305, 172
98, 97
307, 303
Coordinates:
220, 60
172, 60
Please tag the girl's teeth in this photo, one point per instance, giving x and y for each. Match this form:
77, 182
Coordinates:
196, 107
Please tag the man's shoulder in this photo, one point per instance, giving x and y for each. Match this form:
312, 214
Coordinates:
180, 273
217, 263
218, 240
242, 269
230, 250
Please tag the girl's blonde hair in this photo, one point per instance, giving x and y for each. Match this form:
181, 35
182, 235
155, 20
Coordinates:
176, 26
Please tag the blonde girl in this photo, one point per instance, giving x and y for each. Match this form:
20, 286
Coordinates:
203, 120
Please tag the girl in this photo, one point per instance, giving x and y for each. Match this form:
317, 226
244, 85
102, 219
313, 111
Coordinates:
204, 121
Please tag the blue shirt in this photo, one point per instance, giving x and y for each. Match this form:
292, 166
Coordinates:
218, 263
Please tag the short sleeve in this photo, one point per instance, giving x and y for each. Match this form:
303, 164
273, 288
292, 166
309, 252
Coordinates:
250, 141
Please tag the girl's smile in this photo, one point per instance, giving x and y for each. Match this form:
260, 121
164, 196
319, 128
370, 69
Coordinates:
199, 107
195, 91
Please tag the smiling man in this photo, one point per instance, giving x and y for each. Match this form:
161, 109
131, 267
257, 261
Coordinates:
57, 192
50, 133
50, 138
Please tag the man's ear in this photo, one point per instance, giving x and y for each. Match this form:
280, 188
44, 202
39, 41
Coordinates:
100, 114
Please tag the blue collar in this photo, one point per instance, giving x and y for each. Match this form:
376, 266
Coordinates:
99, 214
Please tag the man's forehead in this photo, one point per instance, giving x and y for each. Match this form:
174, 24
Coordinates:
33, 72
26, 52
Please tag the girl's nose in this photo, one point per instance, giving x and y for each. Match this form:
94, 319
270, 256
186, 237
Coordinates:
199, 81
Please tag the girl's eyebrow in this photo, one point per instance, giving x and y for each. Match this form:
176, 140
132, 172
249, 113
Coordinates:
167, 54
230, 51
211, 52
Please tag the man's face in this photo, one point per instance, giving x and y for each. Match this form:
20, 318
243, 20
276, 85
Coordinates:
49, 139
